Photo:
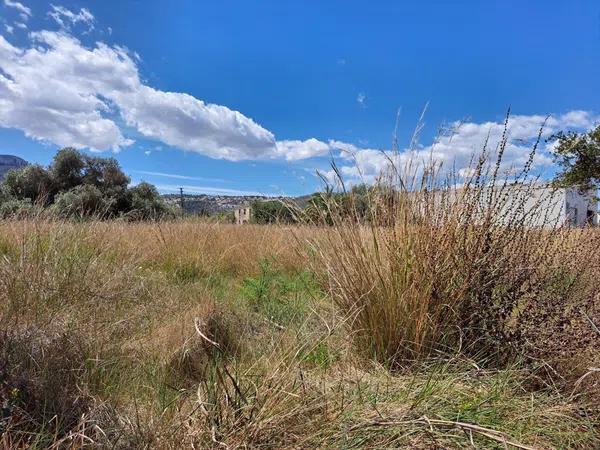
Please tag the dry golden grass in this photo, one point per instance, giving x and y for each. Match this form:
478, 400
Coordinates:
426, 261
179, 334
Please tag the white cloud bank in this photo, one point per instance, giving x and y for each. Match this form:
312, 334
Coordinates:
58, 90
454, 149
23, 10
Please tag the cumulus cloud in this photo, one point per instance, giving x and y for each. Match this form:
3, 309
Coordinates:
47, 102
65, 18
58, 90
183, 121
23, 10
293, 150
454, 149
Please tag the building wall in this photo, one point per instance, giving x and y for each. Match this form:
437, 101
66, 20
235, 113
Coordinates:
554, 207
581, 209
538, 206
549, 204
242, 215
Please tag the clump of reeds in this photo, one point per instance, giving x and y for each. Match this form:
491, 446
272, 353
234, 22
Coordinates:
429, 261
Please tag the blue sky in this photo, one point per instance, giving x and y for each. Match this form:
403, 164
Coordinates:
228, 97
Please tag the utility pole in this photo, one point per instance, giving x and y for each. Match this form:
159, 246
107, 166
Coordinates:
181, 200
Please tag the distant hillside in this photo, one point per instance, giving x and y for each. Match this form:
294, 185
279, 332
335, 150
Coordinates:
211, 204
9, 162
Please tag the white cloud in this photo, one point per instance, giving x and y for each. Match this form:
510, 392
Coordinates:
361, 98
65, 17
294, 149
454, 150
183, 121
177, 176
47, 102
21, 25
24, 10
9, 29
59, 91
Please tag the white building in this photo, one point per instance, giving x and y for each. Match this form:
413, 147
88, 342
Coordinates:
537, 205
581, 209
242, 214
548, 207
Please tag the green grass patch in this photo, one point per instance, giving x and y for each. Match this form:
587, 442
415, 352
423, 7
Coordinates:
281, 297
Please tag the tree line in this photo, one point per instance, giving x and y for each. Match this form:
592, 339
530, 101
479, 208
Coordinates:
79, 185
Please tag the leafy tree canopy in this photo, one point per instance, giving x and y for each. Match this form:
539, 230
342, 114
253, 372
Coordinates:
578, 156
81, 185
271, 211
67, 168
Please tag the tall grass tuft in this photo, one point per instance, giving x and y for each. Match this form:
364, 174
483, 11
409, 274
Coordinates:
427, 260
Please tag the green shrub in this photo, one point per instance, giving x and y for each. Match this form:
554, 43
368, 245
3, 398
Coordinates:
82, 201
16, 208
272, 211
147, 204
79, 185
32, 183
67, 168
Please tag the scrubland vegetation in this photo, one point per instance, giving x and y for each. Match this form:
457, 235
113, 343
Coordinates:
406, 317
79, 186
186, 333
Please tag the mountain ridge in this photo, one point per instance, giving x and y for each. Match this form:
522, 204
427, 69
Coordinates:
10, 162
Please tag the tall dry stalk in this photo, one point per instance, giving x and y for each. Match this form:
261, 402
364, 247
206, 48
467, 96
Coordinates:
438, 262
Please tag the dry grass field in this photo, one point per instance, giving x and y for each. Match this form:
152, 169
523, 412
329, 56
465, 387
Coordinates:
188, 334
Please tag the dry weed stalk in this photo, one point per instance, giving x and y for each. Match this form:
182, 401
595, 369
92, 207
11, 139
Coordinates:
425, 261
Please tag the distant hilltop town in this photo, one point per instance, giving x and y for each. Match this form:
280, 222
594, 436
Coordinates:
205, 204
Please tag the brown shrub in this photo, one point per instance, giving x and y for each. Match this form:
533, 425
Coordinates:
446, 264
41, 387
561, 336
215, 336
